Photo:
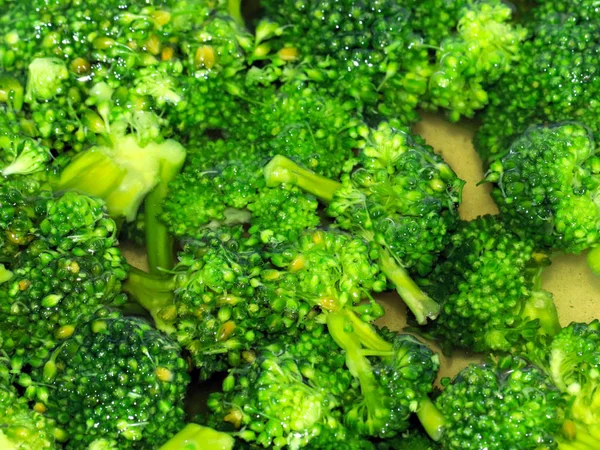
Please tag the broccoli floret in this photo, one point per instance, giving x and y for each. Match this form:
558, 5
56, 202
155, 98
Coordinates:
574, 365
502, 404
214, 304
69, 266
114, 378
289, 396
282, 214
400, 196
545, 186
126, 174
226, 174
364, 52
395, 376
484, 47
45, 79
22, 428
488, 287
329, 270
555, 80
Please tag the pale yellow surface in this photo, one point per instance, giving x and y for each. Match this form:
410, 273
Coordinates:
576, 290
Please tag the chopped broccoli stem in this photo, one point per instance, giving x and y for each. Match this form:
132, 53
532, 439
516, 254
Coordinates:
283, 170
196, 437
593, 260
419, 303
234, 8
153, 292
431, 418
159, 242
541, 306
358, 364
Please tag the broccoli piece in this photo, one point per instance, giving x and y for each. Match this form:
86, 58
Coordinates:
363, 52
214, 303
196, 437
45, 79
115, 378
224, 176
20, 155
554, 80
573, 364
329, 270
400, 196
545, 186
289, 396
67, 269
484, 47
504, 403
489, 288
22, 428
395, 376
126, 174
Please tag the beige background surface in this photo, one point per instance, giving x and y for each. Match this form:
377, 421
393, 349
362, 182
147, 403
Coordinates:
576, 290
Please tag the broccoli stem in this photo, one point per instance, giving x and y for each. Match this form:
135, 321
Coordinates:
431, 418
282, 170
234, 8
155, 293
358, 364
420, 304
196, 437
578, 437
159, 242
593, 260
541, 306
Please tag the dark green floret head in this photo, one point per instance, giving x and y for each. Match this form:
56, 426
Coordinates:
488, 287
289, 396
115, 378
546, 186
504, 403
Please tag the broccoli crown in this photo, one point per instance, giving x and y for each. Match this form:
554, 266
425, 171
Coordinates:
487, 285
546, 186
20, 427
574, 364
289, 395
115, 378
282, 214
309, 126
435, 19
484, 47
555, 80
360, 50
398, 195
395, 375
503, 404
68, 270
221, 174
401, 194
329, 269
215, 304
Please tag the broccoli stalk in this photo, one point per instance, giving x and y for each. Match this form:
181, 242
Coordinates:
196, 437
402, 369
282, 170
154, 292
123, 176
